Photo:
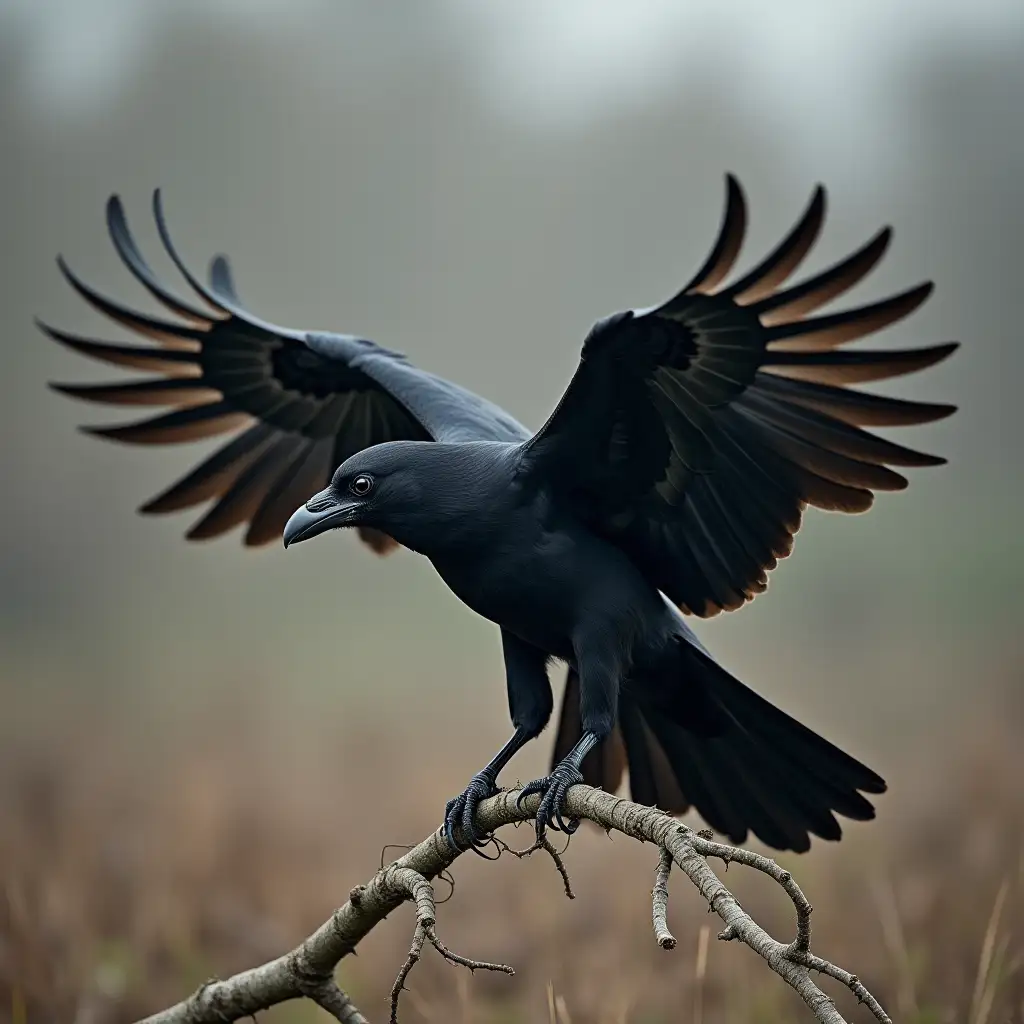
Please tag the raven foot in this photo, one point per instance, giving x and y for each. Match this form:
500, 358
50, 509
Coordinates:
459, 813
554, 788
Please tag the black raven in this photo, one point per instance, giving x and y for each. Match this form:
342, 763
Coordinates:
670, 479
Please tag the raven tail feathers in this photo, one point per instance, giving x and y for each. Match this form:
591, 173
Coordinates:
740, 762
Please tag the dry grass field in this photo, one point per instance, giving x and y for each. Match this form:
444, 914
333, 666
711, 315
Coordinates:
142, 855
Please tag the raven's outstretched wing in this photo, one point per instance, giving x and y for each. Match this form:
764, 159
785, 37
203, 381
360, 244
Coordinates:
299, 402
694, 434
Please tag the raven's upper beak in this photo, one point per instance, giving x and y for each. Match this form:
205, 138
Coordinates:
321, 513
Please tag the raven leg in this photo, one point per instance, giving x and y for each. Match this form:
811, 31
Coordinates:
556, 786
461, 809
530, 705
599, 663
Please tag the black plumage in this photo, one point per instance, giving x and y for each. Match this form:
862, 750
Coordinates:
670, 479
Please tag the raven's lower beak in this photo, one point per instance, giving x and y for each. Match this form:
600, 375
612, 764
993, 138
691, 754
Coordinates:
321, 513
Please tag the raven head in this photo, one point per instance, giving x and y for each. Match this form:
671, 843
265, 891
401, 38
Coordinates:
426, 495
367, 489
410, 490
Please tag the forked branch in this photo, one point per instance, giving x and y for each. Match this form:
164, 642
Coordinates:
308, 970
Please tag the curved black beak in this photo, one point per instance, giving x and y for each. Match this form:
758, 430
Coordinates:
321, 513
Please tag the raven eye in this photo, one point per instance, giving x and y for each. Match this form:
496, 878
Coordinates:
361, 485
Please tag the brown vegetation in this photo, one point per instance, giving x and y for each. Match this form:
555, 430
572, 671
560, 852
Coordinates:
141, 855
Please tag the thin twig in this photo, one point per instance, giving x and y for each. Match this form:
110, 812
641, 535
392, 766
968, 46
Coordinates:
415, 952
462, 961
851, 981
543, 843
659, 901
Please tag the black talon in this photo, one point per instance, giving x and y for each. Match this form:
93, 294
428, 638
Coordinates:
449, 832
554, 787
537, 786
461, 810
572, 825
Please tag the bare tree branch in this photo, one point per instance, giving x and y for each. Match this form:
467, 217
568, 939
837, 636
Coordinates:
308, 970
659, 903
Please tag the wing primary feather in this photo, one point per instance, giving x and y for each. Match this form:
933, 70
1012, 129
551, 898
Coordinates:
835, 435
179, 391
219, 301
828, 332
779, 264
177, 362
165, 237
190, 424
158, 330
726, 248
809, 295
855, 367
829, 496
805, 453
859, 408
131, 256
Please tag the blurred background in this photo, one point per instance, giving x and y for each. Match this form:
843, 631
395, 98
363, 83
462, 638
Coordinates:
203, 748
